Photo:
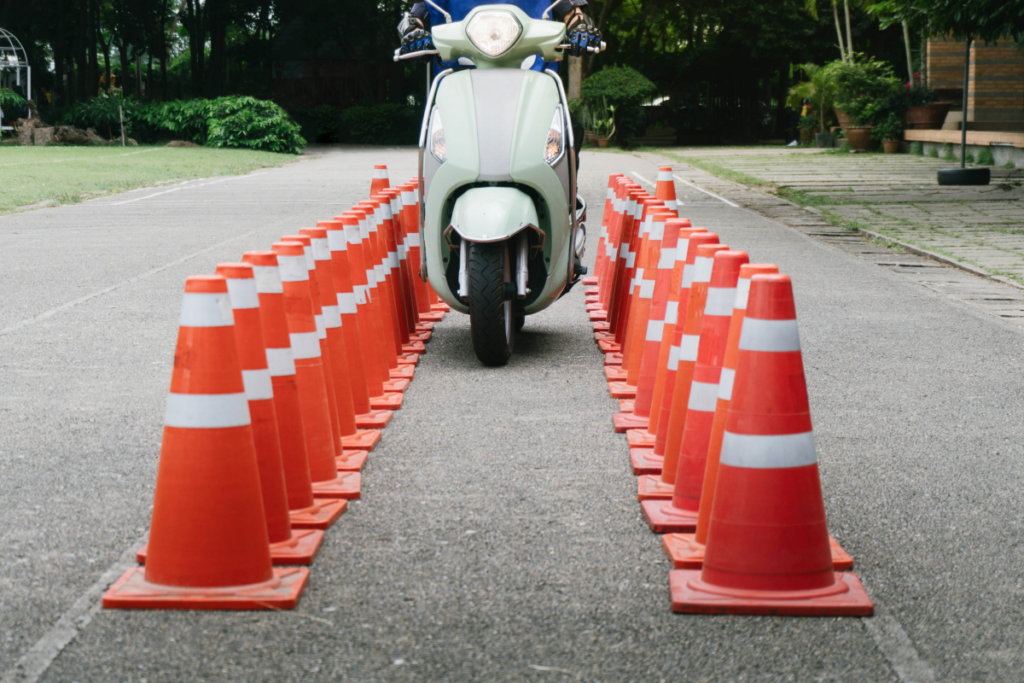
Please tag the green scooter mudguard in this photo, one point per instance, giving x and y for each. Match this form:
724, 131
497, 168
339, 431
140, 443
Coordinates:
493, 214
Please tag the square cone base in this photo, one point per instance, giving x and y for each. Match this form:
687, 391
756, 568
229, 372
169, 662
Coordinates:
432, 316
686, 553
608, 346
322, 515
440, 306
402, 372
351, 461
590, 280
595, 306
132, 591
692, 596
644, 461
627, 405
363, 439
424, 327
417, 347
389, 401
615, 373
422, 337
590, 299
623, 422
605, 336
394, 386
662, 518
651, 487
640, 438
374, 420
602, 327
597, 315
621, 390
300, 549
345, 486
408, 359
613, 358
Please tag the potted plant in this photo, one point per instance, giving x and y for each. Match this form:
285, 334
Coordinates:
604, 123
861, 91
819, 89
889, 130
808, 126
923, 112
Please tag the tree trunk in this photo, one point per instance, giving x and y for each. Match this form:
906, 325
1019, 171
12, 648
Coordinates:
215, 18
839, 30
849, 34
924, 58
575, 78
122, 53
910, 60
963, 121
58, 58
138, 75
780, 105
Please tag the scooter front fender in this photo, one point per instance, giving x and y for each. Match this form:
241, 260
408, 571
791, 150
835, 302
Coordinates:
493, 214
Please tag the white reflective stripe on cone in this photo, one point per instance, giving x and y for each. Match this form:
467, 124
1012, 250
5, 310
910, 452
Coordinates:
655, 330
305, 344
412, 240
682, 248
725, 384
352, 234
645, 226
336, 240
403, 252
321, 328
688, 347
346, 303
742, 294
408, 198
688, 271
257, 384
206, 411
310, 261
371, 277
623, 249
630, 257
321, 250
332, 317
703, 397
673, 358
243, 293
292, 268
757, 451
385, 210
268, 279
359, 292
664, 175
380, 173
638, 210
647, 289
667, 259
281, 362
609, 193
379, 273
671, 204
720, 301
777, 336
672, 312
702, 269
201, 309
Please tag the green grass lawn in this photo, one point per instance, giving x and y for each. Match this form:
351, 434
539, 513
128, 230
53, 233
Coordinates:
31, 176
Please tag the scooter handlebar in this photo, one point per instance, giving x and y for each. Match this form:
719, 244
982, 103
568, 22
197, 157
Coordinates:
413, 55
601, 48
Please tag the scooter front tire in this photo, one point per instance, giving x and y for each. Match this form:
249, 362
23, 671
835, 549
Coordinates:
491, 311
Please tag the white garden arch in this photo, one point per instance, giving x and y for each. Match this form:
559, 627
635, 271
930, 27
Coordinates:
14, 68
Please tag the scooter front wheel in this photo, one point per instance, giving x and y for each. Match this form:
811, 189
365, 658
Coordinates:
491, 315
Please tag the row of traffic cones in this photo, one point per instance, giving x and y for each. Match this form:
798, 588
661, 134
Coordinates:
288, 365
703, 350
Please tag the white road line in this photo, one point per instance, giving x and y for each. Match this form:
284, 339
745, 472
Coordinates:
189, 187
34, 663
707, 192
91, 158
641, 178
893, 643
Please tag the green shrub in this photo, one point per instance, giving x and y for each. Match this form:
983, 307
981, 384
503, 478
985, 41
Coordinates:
625, 89
10, 99
323, 123
934, 152
381, 124
917, 148
1010, 165
864, 89
969, 158
947, 152
102, 113
255, 124
985, 157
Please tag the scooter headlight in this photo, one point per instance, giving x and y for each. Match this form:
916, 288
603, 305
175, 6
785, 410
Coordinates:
555, 144
435, 137
493, 32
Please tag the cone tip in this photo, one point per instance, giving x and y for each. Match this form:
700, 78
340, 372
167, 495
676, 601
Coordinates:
288, 248
771, 297
235, 271
206, 284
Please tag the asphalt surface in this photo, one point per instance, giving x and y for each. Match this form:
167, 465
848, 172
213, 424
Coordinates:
499, 537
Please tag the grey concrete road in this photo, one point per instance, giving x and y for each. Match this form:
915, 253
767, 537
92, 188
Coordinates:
499, 537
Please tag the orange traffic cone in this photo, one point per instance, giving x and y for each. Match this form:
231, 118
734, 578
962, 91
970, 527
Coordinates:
208, 544
606, 216
406, 351
666, 188
639, 438
369, 422
309, 371
686, 551
768, 548
653, 486
380, 179
351, 459
680, 513
305, 511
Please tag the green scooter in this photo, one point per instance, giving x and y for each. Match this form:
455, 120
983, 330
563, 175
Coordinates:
501, 234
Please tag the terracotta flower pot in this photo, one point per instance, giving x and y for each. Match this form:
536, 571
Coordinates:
928, 116
602, 142
859, 137
844, 120
891, 146
590, 137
